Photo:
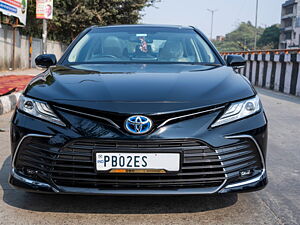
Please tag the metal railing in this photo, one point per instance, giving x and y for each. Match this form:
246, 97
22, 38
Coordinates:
274, 51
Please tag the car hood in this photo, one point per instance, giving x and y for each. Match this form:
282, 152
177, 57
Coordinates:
139, 88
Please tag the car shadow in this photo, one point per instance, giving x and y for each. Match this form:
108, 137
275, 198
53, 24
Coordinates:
109, 204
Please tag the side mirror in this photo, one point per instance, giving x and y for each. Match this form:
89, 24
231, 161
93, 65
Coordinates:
45, 60
235, 61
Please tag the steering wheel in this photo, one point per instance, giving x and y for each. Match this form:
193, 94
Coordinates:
110, 56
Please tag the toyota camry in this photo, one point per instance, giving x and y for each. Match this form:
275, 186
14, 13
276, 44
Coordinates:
139, 110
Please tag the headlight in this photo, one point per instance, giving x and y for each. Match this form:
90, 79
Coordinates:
239, 110
38, 109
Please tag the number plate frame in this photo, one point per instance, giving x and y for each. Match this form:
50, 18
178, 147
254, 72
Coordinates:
180, 152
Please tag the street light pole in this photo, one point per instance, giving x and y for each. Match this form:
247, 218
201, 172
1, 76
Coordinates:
255, 37
212, 22
44, 36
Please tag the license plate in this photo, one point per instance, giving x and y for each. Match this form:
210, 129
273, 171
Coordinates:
138, 161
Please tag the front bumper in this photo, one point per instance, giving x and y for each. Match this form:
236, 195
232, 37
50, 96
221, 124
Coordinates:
253, 130
26, 184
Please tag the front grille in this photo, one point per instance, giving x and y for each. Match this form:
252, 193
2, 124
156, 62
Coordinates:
117, 119
74, 165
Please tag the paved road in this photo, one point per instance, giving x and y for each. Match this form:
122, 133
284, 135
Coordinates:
279, 203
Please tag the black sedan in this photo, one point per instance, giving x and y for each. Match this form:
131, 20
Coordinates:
139, 110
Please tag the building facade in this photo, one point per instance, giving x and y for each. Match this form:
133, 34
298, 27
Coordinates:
290, 25
220, 38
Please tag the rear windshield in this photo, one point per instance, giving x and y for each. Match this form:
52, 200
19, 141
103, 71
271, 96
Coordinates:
142, 45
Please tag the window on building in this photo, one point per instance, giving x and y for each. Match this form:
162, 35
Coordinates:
288, 22
289, 10
288, 35
298, 22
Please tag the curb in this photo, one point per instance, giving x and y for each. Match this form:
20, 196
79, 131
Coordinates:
9, 102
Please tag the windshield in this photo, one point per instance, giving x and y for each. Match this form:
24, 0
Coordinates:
142, 45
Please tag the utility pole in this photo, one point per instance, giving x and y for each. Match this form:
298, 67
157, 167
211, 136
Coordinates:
44, 36
255, 37
212, 22
15, 26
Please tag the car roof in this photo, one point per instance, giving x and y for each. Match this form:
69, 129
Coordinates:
146, 25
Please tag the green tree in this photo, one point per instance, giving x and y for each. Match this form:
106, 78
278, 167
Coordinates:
270, 37
227, 46
73, 16
33, 26
242, 38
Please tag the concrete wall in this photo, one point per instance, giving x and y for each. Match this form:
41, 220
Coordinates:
22, 57
279, 72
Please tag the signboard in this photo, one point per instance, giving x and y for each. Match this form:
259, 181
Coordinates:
15, 8
44, 9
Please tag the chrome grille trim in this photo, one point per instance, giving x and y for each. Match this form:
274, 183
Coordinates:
258, 178
256, 144
159, 126
32, 182
91, 115
252, 180
21, 141
189, 115
203, 180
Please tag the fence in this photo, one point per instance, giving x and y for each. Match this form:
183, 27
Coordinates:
22, 57
276, 70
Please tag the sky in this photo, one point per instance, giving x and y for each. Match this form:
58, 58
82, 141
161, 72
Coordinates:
227, 17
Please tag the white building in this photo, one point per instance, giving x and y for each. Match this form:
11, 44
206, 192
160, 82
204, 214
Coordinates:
290, 25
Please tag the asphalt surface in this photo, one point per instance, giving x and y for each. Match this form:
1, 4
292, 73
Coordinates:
279, 203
